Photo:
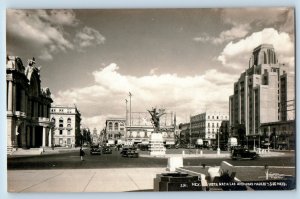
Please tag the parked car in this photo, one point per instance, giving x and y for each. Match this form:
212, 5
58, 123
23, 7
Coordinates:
241, 153
107, 150
129, 152
95, 150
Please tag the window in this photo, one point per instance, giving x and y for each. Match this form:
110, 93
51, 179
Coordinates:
69, 132
53, 120
60, 132
110, 126
217, 117
69, 126
69, 120
212, 117
69, 141
208, 117
208, 125
116, 126
217, 124
61, 122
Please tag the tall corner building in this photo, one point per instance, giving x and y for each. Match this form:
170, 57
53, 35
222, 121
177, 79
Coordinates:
67, 132
263, 95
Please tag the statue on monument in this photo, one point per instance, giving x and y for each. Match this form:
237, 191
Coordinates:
155, 115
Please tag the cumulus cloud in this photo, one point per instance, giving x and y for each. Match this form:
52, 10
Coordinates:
236, 55
37, 28
235, 32
242, 21
267, 16
88, 37
153, 71
183, 95
45, 32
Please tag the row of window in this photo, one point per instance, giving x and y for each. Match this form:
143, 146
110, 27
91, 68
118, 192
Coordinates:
61, 122
116, 126
202, 124
61, 110
61, 132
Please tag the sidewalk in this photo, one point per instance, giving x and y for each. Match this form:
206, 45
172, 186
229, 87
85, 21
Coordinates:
82, 180
212, 155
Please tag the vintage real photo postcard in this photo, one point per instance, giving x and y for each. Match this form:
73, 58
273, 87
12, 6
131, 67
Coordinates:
125, 100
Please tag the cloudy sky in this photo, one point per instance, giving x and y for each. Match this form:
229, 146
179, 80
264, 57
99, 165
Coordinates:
184, 60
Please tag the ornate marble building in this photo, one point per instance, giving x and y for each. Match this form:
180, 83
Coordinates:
28, 106
67, 125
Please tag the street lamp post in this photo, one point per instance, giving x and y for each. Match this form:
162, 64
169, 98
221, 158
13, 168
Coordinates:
218, 149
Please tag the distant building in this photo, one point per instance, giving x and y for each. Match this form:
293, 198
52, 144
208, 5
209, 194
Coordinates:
67, 125
28, 106
115, 130
206, 126
95, 137
264, 93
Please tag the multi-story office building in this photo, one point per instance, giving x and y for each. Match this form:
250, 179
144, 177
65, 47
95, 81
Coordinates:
67, 125
115, 130
28, 106
263, 94
207, 126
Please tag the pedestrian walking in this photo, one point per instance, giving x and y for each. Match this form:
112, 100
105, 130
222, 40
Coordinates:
81, 153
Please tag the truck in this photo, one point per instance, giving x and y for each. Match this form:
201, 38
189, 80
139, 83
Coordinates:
232, 142
199, 143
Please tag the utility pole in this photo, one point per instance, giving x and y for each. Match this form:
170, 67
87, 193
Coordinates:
126, 101
190, 133
130, 112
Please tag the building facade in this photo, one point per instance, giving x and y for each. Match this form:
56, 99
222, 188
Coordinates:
28, 106
115, 131
264, 93
141, 128
67, 125
207, 126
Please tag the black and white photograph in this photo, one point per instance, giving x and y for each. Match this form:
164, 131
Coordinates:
151, 100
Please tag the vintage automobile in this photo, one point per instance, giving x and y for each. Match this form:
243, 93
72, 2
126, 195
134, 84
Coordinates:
129, 152
106, 150
95, 150
241, 153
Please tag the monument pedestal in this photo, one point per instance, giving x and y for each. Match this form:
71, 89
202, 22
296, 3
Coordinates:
156, 145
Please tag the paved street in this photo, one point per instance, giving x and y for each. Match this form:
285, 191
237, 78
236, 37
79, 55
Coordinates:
72, 161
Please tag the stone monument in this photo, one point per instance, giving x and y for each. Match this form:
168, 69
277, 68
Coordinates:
156, 139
